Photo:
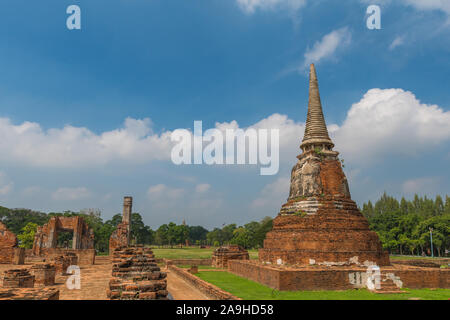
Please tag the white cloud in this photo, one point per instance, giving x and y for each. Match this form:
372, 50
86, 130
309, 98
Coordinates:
31, 191
290, 132
398, 41
327, 46
384, 122
442, 5
250, 6
29, 144
202, 188
162, 192
6, 185
70, 194
391, 122
273, 194
421, 185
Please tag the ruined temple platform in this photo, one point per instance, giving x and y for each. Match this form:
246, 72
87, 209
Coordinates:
322, 277
94, 282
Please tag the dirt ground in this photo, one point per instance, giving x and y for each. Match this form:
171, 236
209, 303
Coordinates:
95, 280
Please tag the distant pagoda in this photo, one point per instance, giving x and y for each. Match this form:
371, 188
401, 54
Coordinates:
320, 223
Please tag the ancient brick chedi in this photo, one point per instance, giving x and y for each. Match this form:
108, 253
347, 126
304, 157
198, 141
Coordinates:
121, 236
320, 224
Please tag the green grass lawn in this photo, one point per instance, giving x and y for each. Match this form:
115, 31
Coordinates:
191, 253
250, 290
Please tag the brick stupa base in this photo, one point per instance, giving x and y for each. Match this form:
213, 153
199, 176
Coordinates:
314, 278
322, 230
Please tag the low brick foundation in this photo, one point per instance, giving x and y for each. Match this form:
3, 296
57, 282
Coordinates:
206, 288
222, 255
17, 278
336, 278
44, 274
29, 294
84, 256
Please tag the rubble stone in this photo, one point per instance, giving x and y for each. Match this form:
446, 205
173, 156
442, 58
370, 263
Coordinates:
136, 276
17, 278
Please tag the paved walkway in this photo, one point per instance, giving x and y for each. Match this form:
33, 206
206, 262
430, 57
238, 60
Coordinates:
181, 290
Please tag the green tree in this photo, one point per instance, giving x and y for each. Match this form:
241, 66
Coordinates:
26, 237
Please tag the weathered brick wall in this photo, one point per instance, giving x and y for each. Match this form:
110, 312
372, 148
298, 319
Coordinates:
61, 264
334, 278
119, 237
418, 278
222, 255
8, 241
206, 288
44, 274
19, 256
84, 256
46, 237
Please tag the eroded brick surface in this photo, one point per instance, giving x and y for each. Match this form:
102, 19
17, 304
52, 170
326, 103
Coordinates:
8, 242
222, 255
121, 236
17, 278
135, 275
44, 274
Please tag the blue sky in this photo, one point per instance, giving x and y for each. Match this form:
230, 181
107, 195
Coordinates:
86, 114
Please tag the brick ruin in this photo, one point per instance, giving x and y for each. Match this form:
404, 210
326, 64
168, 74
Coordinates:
44, 274
10, 253
46, 239
121, 236
18, 278
63, 262
320, 223
136, 276
29, 284
29, 294
222, 255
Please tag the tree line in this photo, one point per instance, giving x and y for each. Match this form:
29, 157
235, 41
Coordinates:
403, 227
24, 223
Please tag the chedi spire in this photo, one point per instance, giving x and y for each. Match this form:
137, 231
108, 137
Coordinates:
316, 133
